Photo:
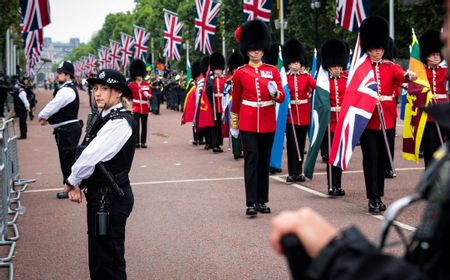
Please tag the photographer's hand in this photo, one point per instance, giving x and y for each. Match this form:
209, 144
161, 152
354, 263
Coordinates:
74, 193
312, 229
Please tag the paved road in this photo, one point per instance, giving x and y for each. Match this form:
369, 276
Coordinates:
189, 217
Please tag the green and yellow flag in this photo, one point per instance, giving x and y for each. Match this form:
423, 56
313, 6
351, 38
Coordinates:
418, 96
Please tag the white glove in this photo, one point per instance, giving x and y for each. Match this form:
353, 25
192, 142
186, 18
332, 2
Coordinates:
273, 88
234, 132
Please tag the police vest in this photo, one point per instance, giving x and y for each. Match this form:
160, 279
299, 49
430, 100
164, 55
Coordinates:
68, 112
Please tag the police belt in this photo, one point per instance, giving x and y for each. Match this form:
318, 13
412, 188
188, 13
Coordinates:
99, 180
299, 101
439, 96
139, 101
335, 109
385, 97
256, 104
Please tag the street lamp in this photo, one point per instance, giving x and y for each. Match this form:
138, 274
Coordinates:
315, 6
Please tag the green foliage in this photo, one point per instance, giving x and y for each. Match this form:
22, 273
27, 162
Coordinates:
9, 18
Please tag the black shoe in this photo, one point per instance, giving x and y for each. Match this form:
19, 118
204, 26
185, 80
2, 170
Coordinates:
138, 145
217, 150
336, 191
195, 143
251, 210
325, 158
201, 142
290, 179
374, 206
208, 147
389, 174
62, 195
300, 178
381, 204
143, 146
262, 208
274, 170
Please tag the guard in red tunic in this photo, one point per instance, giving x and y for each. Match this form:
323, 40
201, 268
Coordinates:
334, 55
430, 47
141, 95
256, 88
374, 36
301, 85
217, 64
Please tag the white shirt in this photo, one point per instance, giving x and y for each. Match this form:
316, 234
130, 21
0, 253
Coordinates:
109, 141
23, 97
63, 97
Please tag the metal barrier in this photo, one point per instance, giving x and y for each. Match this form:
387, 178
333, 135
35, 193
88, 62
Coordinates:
10, 192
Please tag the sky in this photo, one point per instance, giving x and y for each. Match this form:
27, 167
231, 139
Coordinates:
81, 18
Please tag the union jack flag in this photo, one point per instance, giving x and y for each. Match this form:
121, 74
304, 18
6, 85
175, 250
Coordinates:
91, 65
114, 55
126, 50
350, 13
257, 9
103, 58
35, 14
33, 40
172, 35
205, 24
359, 104
140, 38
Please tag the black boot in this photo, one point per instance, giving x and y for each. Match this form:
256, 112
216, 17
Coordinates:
374, 206
262, 208
251, 210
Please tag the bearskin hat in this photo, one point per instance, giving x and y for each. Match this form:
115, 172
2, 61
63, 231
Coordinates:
334, 52
293, 51
137, 68
271, 57
235, 60
255, 36
204, 64
429, 43
195, 69
217, 61
374, 33
391, 51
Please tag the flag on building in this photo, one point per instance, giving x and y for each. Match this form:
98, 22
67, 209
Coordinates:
140, 47
350, 13
418, 96
320, 118
205, 24
257, 9
276, 155
359, 103
172, 35
35, 14
126, 49
114, 55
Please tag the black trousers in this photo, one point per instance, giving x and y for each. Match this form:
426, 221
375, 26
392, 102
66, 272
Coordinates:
431, 141
295, 167
336, 172
141, 121
107, 253
22, 115
67, 138
156, 101
257, 147
391, 140
374, 152
216, 131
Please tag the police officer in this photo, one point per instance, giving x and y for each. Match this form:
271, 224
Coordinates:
141, 94
256, 88
300, 84
334, 55
62, 114
430, 54
21, 107
110, 143
157, 87
374, 34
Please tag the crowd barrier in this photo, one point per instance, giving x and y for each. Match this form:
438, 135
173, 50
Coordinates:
10, 192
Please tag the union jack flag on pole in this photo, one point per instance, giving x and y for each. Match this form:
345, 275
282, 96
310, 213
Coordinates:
172, 35
359, 104
126, 48
205, 24
257, 9
114, 55
35, 14
350, 13
103, 58
140, 37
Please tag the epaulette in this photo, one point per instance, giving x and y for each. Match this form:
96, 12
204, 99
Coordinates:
344, 75
116, 114
242, 66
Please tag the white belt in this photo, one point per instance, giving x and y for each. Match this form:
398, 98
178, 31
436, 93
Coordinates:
439, 96
218, 95
335, 109
257, 104
139, 101
299, 101
385, 97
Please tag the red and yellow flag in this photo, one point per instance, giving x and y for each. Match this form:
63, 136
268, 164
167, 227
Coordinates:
418, 96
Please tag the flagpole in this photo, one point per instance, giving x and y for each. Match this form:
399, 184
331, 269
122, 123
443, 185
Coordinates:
330, 188
294, 133
383, 128
391, 19
282, 22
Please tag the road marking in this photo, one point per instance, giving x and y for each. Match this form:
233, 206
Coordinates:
300, 187
399, 224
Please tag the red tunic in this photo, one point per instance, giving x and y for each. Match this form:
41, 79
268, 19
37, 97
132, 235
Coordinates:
437, 77
300, 88
219, 84
337, 91
388, 76
251, 98
140, 101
